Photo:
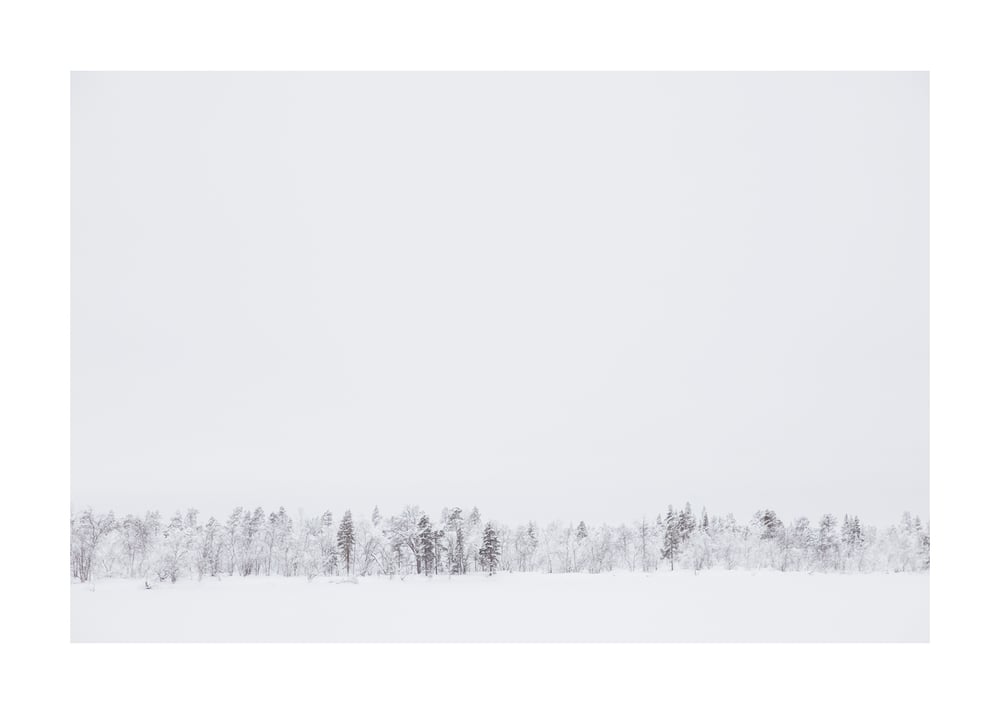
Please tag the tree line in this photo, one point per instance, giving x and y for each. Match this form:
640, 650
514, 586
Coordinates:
255, 543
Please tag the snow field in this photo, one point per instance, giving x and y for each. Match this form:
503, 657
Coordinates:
710, 606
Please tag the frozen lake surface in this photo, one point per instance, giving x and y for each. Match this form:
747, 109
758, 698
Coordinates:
714, 606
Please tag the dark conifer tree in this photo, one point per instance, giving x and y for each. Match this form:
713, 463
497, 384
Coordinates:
458, 557
454, 520
769, 524
345, 540
438, 549
489, 552
425, 544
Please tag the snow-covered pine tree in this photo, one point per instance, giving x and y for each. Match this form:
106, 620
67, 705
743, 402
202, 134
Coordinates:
768, 524
687, 523
452, 520
530, 545
425, 541
532, 535
489, 552
458, 554
659, 531
827, 545
852, 539
473, 531
438, 549
345, 540
671, 536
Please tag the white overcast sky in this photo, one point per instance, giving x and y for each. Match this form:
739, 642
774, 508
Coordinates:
550, 295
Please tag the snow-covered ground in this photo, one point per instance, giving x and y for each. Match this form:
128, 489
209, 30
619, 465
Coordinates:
716, 606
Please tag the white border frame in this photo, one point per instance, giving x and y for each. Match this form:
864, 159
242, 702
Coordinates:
41, 42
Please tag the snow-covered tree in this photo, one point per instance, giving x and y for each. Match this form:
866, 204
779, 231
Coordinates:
86, 533
403, 533
175, 551
489, 551
210, 559
827, 543
473, 533
345, 541
525, 545
458, 558
672, 536
426, 545
232, 535
454, 540
647, 548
